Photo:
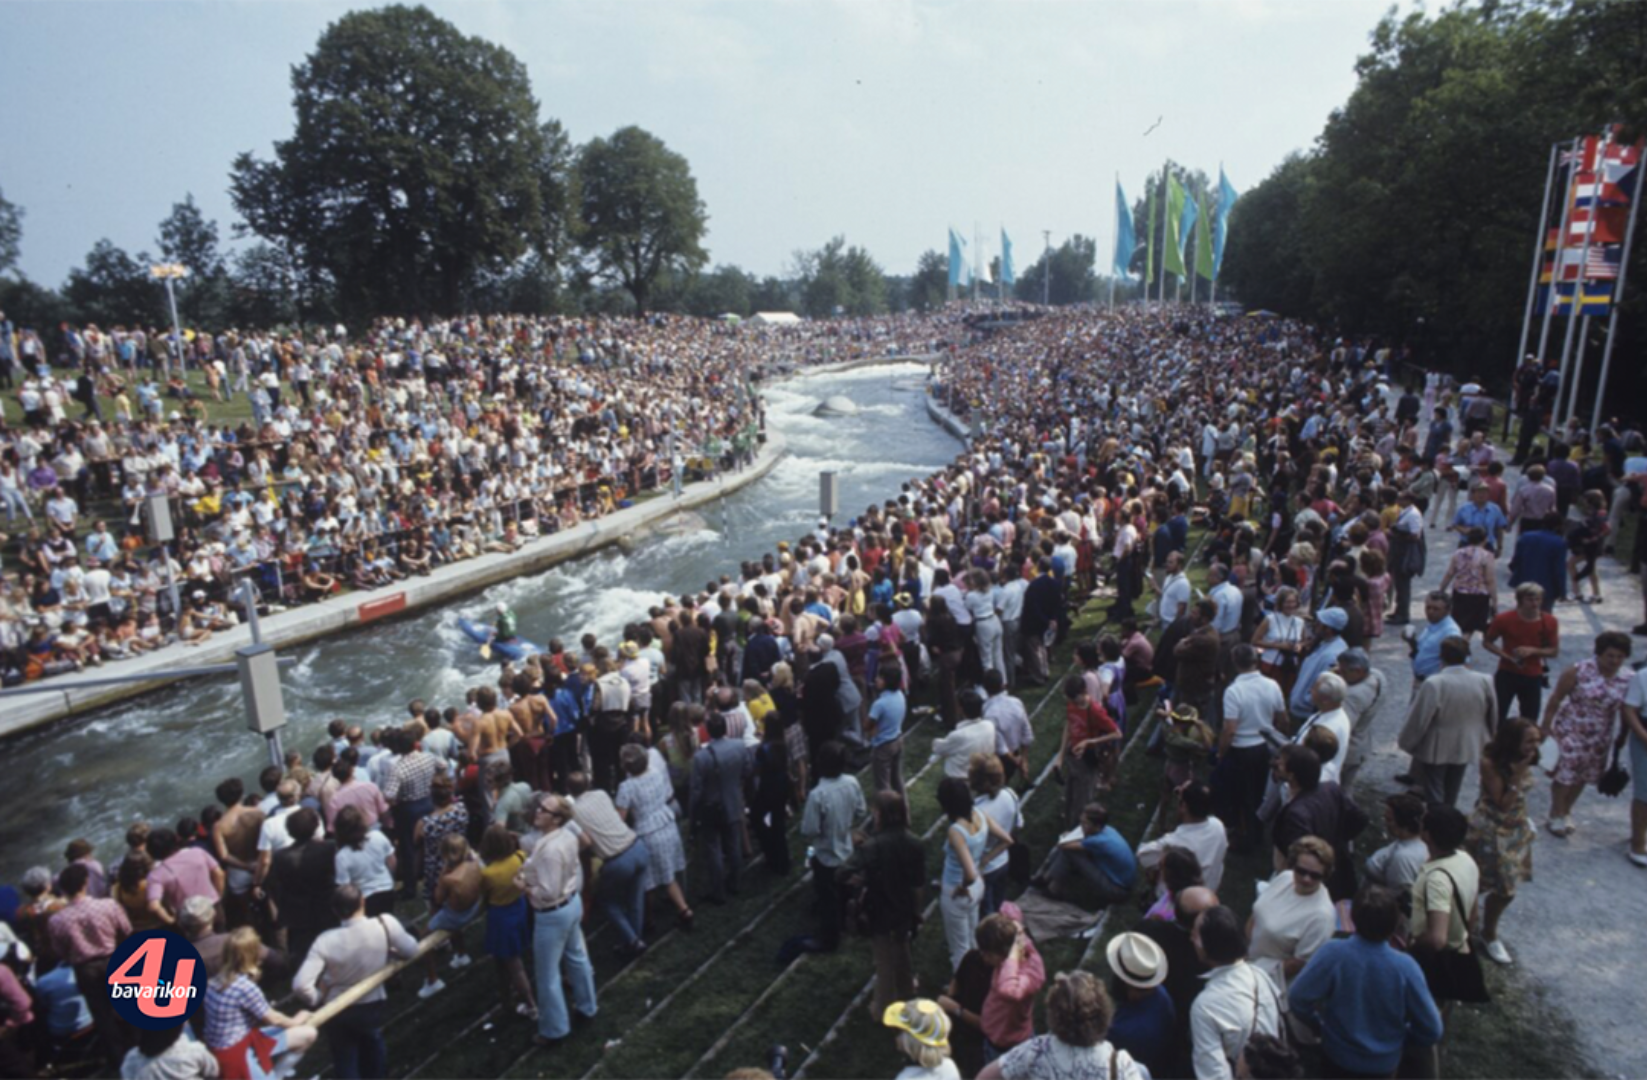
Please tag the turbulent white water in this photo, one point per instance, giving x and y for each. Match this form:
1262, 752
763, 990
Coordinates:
160, 756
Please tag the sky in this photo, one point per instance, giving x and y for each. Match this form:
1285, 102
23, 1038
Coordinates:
886, 121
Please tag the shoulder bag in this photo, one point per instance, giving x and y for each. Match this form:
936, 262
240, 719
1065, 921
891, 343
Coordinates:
1454, 975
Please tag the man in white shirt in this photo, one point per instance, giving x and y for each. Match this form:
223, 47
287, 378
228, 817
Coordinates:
1237, 1002
950, 593
1362, 699
1175, 590
1013, 734
1198, 832
1328, 695
1253, 705
973, 735
1009, 601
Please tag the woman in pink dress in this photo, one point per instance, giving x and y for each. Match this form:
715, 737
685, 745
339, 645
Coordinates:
1375, 569
1580, 716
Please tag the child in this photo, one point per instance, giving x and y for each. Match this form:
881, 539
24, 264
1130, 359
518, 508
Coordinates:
1375, 570
506, 916
457, 902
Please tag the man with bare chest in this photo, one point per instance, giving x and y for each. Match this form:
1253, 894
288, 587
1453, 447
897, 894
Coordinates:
492, 729
234, 840
532, 727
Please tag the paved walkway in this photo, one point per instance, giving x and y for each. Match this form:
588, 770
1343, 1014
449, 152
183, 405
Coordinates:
1576, 929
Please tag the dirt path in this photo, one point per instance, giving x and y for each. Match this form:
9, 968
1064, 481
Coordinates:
1575, 929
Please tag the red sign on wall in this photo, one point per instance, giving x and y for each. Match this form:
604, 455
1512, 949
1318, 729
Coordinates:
378, 609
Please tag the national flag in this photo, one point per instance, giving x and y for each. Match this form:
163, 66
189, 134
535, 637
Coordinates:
1126, 241
1009, 276
1601, 263
1610, 223
1203, 243
1220, 229
1595, 300
1186, 223
1172, 248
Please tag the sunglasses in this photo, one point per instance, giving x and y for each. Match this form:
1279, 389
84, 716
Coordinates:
1308, 875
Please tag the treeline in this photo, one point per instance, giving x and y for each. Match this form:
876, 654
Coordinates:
1414, 216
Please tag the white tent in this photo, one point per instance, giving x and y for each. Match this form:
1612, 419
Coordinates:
775, 318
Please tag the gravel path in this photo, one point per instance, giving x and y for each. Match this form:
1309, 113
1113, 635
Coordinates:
1575, 929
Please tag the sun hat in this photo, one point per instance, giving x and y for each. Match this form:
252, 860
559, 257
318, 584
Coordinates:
926, 1023
1337, 618
1137, 960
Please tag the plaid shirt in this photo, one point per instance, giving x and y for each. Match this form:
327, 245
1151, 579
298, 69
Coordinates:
410, 778
233, 1011
88, 929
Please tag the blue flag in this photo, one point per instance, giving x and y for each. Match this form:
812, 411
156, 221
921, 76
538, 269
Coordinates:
957, 264
1126, 241
1008, 276
1186, 222
1220, 227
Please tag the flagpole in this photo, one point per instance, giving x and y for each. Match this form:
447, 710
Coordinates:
1116, 242
1578, 286
1578, 358
1561, 244
1538, 254
1161, 291
1618, 294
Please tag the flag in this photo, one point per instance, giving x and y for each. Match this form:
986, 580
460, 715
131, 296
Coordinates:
1149, 238
1186, 223
984, 277
1203, 243
1610, 223
1601, 263
1172, 246
1009, 276
1220, 229
1596, 300
1125, 240
959, 272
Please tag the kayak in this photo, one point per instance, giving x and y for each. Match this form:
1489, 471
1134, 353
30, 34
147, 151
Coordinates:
515, 650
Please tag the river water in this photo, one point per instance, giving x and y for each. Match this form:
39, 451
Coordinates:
160, 755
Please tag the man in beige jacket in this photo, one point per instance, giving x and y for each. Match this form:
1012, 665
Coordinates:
1453, 715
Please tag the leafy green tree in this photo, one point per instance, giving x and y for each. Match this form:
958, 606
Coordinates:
839, 280
418, 163
187, 237
11, 233
773, 294
929, 288
1264, 260
1074, 281
262, 288
113, 288
29, 304
640, 213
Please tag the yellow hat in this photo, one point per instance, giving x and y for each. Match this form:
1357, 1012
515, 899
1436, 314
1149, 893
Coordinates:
922, 1018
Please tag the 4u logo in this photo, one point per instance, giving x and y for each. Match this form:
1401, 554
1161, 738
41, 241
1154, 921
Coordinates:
156, 979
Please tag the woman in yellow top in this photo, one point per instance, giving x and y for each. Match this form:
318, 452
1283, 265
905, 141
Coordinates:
131, 889
501, 858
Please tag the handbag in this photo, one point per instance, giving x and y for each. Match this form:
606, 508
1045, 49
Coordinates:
1454, 975
1616, 778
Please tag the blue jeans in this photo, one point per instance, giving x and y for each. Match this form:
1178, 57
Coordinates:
356, 1035
622, 892
995, 887
407, 815
558, 949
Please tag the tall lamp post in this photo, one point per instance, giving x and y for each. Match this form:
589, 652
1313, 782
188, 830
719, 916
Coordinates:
170, 272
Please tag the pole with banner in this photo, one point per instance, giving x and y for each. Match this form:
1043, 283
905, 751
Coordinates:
1161, 291
1555, 262
1573, 314
1618, 292
1538, 255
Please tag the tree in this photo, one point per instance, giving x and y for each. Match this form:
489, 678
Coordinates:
11, 233
187, 237
113, 288
929, 288
1264, 260
839, 280
1074, 280
641, 215
263, 288
417, 163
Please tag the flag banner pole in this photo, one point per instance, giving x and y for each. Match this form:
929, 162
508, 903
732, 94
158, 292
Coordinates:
1578, 287
1618, 293
1117, 242
1561, 243
1161, 292
1538, 254
1578, 359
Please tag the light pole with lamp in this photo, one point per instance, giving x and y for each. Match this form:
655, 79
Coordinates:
170, 272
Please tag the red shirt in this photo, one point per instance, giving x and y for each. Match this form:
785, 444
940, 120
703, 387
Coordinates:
1511, 632
1089, 722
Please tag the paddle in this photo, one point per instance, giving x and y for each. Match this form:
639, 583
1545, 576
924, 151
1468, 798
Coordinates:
486, 650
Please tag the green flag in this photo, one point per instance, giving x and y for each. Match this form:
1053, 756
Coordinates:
1149, 238
1172, 251
1203, 242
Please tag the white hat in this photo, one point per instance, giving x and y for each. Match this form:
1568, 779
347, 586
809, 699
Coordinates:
1137, 961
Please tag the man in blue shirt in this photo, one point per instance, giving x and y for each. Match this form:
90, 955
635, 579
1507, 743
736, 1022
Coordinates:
886, 729
1099, 855
1329, 642
1438, 627
1369, 1001
1480, 512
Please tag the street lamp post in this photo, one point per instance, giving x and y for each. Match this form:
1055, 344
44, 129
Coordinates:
170, 272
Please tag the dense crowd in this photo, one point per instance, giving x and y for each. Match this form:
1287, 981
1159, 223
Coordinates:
363, 460
1309, 471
